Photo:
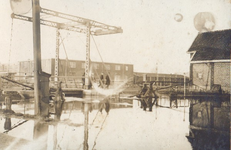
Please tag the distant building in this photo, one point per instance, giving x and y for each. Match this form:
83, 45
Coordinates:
75, 68
12, 68
160, 78
210, 60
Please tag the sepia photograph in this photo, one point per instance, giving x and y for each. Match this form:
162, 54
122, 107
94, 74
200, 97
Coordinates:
115, 74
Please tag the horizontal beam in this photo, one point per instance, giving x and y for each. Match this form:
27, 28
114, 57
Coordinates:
100, 32
15, 82
68, 27
210, 61
50, 23
81, 20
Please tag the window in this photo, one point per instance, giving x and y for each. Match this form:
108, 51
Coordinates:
200, 75
108, 67
117, 77
96, 66
117, 67
83, 65
72, 64
126, 68
125, 77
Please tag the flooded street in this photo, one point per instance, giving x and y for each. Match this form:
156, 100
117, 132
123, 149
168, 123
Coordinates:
115, 75
125, 127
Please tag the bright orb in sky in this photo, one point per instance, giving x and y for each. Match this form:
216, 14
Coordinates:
21, 6
178, 17
204, 21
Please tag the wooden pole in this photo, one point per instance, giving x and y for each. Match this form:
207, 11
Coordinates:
55, 137
37, 55
40, 133
86, 116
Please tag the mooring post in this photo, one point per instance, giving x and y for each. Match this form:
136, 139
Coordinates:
7, 124
59, 101
8, 103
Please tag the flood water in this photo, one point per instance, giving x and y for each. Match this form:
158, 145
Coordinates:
125, 127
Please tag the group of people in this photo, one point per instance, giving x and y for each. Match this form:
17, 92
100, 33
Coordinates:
83, 82
148, 96
104, 82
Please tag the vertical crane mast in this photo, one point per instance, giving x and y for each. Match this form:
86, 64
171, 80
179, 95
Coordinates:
87, 61
57, 56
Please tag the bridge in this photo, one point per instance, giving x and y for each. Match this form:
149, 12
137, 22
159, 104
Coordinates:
66, 22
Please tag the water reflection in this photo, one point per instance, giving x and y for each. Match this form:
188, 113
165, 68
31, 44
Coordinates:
204, 140
73, 125
40, 133
7, 124
82, 121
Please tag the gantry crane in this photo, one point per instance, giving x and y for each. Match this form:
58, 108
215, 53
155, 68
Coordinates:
76, 24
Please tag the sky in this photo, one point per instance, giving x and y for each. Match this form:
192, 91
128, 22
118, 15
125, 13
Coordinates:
152, 40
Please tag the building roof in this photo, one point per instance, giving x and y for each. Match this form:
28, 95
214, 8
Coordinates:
214, 45
157, 74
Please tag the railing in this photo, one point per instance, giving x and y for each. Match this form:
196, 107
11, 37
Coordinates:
67, 82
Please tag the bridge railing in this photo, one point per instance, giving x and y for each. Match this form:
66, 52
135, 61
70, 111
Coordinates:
67, 81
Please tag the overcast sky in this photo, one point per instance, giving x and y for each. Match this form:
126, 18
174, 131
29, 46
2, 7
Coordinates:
150, 33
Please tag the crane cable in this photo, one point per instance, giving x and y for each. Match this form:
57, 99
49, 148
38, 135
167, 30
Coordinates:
101, 128
11, 36
101, 82
100, 56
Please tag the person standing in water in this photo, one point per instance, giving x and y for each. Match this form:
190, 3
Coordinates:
101, 81
107, 81
83, 80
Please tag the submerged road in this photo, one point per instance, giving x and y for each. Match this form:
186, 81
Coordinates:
136, 129
128, 128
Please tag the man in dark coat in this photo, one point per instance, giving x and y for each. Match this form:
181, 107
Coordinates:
83, 80
101, 80
107, 81
141, 96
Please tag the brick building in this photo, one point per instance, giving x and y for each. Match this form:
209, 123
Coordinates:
75, 68
210, 60
160, 78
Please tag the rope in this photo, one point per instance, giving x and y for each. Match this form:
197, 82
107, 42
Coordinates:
97, 114
11, 35
100, 56
99, 133
94, 119
66, 57
101, 82
62, 135
71, 109
16, 125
